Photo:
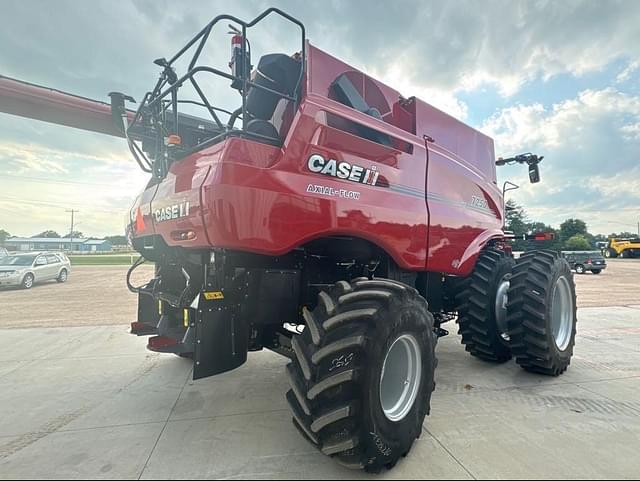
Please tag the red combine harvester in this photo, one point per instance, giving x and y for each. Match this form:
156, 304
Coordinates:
328, 219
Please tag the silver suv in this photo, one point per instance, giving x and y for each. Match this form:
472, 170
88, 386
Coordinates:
26, 269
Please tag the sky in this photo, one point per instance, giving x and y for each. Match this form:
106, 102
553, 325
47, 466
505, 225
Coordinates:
557, 78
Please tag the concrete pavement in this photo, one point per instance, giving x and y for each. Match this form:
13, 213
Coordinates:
91, 402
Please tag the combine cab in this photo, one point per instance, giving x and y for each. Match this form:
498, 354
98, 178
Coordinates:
331, 220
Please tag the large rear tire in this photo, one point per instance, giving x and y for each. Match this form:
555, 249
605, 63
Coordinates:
542, 313
363, 373
482, 307
610, 253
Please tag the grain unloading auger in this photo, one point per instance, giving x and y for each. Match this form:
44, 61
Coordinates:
330, 220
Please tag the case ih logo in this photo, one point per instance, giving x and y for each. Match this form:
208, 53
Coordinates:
172, 212
342, 170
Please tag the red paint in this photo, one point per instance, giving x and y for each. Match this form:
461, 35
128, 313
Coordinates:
62, 108
247, 196
140, 225
158, 343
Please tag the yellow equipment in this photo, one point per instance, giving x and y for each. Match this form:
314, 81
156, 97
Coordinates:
625, 248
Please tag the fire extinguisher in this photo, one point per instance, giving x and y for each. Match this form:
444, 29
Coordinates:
240, 64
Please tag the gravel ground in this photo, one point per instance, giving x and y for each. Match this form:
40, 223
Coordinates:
93, 296
97, 296
616, 286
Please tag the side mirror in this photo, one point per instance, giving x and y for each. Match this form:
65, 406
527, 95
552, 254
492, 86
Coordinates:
530, 159
534, 173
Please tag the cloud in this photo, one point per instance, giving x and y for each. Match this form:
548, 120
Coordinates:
465, 44
445, 100
98, 47
19, 159
25, 158
38, 184
577, 135
592, 156
95, 48
49, 140
631, 132
628, 72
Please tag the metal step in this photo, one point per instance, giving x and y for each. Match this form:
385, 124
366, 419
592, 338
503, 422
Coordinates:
174, 341
142, 329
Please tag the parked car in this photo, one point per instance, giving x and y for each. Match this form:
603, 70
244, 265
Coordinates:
24, 270
583, 262
3, 252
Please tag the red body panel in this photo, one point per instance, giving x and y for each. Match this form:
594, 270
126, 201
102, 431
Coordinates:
430, 210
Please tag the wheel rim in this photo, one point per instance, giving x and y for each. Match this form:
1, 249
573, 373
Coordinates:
401, 377
579, 270
63, 276
562, 313
502, 298
28, 282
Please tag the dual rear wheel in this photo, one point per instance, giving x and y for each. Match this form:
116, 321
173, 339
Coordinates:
532, 319
482, 307
363, 369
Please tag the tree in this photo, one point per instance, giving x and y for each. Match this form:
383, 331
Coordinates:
572, 227
624, 235
577, 243
117, 240
517, 219
516, 222
4, 235
75, 234
49, 234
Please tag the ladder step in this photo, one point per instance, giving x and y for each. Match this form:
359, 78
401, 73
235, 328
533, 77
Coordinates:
142, 329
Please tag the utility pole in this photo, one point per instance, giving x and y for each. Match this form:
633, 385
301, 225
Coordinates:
72, 211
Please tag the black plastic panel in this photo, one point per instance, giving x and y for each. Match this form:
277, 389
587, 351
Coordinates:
222, 339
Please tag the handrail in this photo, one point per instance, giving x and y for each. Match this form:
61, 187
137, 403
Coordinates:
152, 102
215, 71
